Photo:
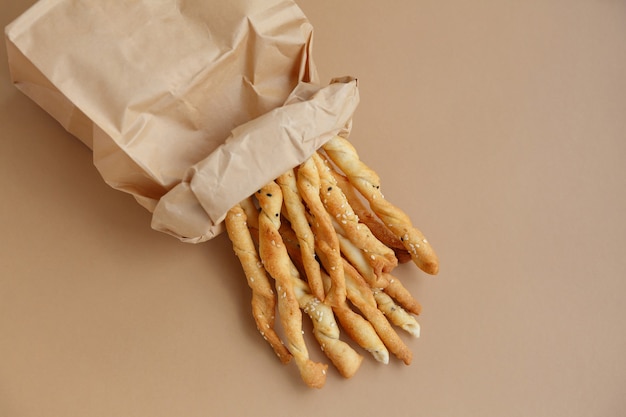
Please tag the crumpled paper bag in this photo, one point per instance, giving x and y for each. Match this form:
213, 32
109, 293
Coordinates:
190, 106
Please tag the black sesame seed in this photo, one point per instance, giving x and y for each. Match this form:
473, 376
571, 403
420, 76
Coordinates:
268, 194
329, 188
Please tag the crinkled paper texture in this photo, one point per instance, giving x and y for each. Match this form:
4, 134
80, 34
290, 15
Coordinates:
190, 106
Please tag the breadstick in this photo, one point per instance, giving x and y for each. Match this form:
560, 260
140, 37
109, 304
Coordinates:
263, 298
365, 214
277, 263
380, 256
398, 292
360, 294
299, 223
252, 213
326, 332
308, 183
396, 314
360, 330
325, 329
358, 259
368, 218
364, 179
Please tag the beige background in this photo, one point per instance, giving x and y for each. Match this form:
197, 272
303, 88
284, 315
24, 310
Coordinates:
499, 126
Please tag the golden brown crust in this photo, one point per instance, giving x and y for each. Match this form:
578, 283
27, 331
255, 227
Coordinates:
359, 329
381, 257
364, 179
358, 259
263, 299
398, 292
365, 214
278, 264
299, 223
308, 183
396, 314
325, 329
326, 332
329, 241
360, 294
367, 217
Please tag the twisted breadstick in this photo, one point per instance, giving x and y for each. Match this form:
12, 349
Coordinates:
368, 218
398, 292
364, 179
325, 329
359, 329
308, 183
299, 223
396, 314
277, 263
263, 299
360, 294
380, 256
326, 332
359, 261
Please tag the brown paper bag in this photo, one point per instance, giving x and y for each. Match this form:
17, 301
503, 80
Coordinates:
188, 106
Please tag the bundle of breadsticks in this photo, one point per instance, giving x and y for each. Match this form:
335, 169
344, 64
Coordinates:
322, 240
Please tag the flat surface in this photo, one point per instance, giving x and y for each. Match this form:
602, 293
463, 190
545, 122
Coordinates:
498, 126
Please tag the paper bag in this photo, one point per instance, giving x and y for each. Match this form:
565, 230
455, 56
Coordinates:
190, 106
